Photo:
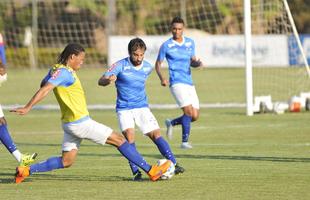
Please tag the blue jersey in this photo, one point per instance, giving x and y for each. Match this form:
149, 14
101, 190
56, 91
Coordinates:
178, 56
130, 83
2, 50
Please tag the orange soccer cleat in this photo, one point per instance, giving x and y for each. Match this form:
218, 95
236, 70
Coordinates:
21, 173
157, 171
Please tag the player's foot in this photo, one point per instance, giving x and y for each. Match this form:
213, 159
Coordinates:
21, 173
137, 176
169, 129
186, 145
178, 169
157, 171
27, 159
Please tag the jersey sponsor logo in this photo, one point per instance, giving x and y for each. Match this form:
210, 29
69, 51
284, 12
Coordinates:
55, 74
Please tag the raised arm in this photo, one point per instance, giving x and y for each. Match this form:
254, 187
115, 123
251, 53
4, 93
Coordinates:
37, 97
163, 81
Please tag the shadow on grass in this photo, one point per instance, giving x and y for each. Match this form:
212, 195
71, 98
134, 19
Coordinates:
70, 178
7, 180
211, 157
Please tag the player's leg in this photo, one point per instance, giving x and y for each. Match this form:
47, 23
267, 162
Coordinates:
187, 99
148, 125
9, 144
102, 134
127, 125
50, 164
70, 147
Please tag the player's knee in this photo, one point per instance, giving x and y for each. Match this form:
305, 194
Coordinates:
195, 118
153, 135
116, 139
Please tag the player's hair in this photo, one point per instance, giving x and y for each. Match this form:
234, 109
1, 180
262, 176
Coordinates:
135, 44
177, 19
70, 49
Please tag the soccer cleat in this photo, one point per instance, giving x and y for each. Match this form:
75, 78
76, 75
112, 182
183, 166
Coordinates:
137, 176
27, 160
21, 173
169, 129
178, 169
186, 145
157, 171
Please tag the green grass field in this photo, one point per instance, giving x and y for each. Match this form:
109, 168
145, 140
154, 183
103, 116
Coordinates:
234, 156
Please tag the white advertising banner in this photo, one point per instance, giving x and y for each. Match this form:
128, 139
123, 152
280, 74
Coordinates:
214, 50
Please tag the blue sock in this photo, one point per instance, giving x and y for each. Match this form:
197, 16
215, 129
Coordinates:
47, 165
6, 139
164, 149
176, 121
132, 155
133, 167
186, 127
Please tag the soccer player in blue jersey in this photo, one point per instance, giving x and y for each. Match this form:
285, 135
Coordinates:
130, 75
76, 122
179, 51
5, 137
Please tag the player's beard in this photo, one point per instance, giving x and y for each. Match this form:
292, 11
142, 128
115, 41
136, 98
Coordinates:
135, 63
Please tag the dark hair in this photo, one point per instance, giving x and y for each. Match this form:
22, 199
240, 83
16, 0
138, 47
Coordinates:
70, 49
177, 20
135, 44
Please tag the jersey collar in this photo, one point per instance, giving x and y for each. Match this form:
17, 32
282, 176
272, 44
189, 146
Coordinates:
177, 43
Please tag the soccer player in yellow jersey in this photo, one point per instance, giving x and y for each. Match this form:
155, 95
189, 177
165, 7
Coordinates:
76, 122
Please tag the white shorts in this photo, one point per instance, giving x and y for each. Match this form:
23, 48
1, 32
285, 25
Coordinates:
88, 129
143, 117
1, 112
185, 95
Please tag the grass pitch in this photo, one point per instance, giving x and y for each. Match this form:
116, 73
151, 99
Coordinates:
234, 156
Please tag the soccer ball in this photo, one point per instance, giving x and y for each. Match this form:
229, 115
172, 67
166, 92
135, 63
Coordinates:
169, 173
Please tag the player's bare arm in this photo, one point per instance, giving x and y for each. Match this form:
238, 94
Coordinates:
164, 82
106, 80
39, 95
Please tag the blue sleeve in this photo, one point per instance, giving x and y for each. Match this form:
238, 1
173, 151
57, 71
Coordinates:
2, 54
150, 68
60, 77
162, 53
114, 69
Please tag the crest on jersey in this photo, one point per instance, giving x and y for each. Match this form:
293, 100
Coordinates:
188, 44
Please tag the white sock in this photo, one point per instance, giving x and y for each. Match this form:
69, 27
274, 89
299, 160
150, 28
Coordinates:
17, 155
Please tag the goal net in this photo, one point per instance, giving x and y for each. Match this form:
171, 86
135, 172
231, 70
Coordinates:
36, 30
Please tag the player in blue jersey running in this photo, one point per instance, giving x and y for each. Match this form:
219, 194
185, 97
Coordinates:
76, 122
130, 75
179, 51
5, 137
